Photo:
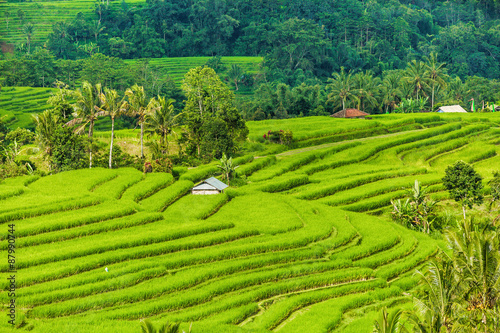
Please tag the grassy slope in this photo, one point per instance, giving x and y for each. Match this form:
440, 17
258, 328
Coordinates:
251, 261
20, 103
43, 14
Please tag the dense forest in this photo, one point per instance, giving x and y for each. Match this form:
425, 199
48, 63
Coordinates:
379, 43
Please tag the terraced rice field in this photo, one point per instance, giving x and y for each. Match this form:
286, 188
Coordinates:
176, 68
20, 103
43, 14
299, 248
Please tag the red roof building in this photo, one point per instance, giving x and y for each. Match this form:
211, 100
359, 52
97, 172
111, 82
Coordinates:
350, 113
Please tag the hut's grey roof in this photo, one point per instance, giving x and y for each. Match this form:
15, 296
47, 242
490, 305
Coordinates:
451, 108
204, 187
210, 184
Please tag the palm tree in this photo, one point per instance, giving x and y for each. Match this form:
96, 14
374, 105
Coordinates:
46, 124
161, 121
416, 75
366, 88
390, 90
341, 87
139, 107
96, 28
442, 290
477, 260
436, 74
457, 90
235, 73
388, 323
86, 106
113, 106
28, 30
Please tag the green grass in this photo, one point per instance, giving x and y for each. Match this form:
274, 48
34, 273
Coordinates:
289, 249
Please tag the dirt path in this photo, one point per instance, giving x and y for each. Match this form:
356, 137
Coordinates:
332, 144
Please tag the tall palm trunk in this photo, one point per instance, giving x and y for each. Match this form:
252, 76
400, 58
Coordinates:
432, 99
111, 145
90, 140
142, 135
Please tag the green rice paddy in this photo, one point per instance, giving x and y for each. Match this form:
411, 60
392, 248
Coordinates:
44, 14
305, 245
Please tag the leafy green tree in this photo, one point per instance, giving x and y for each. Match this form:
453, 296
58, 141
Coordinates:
60, 100
113, 106
86, 111
68, 151
464, 184
22, 136
4, 130
60, 41
212, 120
298, 43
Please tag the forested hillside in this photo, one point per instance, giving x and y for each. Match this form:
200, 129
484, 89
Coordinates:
318, 36
387, 44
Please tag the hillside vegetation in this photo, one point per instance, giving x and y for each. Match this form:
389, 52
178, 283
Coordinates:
289, 251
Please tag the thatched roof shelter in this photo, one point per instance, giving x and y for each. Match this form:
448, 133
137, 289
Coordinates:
350, 113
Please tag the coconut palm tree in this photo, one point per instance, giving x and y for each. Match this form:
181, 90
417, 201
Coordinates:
442, 290
86, 110
113, 106
457, 90
140, 107
365, 89
416, 74
96, 28
390, 90
28, 30
161, 121
341, 87
436, 75
477, 260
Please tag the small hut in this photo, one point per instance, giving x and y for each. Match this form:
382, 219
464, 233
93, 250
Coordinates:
451, 109
350, 113
209, 186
